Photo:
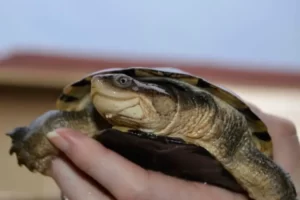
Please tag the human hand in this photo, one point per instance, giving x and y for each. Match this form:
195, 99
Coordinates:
114, 177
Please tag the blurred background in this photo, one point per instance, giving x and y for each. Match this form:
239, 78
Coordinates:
249, 47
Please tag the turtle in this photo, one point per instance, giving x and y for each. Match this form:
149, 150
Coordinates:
243, 147
76, 96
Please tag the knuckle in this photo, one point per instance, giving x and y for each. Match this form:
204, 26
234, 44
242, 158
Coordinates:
140, 191
288, 127
277, 124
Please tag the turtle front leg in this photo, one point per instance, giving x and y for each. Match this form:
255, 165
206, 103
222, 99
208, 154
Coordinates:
33, 151
32, 147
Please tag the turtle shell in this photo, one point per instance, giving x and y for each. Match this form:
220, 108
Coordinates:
76, 96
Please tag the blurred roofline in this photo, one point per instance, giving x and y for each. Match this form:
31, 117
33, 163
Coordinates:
46, 63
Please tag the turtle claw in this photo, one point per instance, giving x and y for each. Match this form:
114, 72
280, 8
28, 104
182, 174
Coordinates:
20, 163
12, 150
17, 136
18, 133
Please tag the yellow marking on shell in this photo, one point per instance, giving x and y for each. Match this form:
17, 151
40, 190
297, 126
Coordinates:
81, 91
73, 106
159, 73
258, 126
122, 128
227, 97
141, 73
264, 147
67, 89
185, 78
192, 81
61, 105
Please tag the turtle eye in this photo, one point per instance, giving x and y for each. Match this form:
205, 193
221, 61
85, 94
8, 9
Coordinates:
123, 81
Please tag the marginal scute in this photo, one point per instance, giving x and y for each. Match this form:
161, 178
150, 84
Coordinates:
68, 98
203, 84
82, 82
264, 136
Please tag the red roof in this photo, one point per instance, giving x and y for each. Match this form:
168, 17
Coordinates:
66, 63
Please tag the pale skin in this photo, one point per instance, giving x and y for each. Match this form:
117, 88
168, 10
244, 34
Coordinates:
124, 180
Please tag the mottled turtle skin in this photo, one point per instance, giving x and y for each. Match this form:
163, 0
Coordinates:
75, 103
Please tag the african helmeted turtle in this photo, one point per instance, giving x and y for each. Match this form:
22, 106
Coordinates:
173, 106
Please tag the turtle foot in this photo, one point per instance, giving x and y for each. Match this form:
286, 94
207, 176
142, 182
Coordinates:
33, 151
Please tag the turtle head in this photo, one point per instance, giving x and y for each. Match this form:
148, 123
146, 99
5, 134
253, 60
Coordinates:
125, 101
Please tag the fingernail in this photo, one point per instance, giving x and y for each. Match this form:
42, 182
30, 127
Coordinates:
56, 139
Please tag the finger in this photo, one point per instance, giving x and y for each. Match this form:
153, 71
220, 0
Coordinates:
74, 184
167, 187
286, 146
285, 139
123, 179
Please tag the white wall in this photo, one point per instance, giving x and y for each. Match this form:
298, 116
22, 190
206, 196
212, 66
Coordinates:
256, 31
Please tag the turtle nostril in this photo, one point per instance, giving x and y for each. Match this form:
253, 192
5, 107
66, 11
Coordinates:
18, 134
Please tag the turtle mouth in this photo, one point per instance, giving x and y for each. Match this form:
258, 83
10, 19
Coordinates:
113, 102
111, 107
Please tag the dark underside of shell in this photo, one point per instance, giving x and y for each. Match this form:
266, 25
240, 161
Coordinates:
170, 156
